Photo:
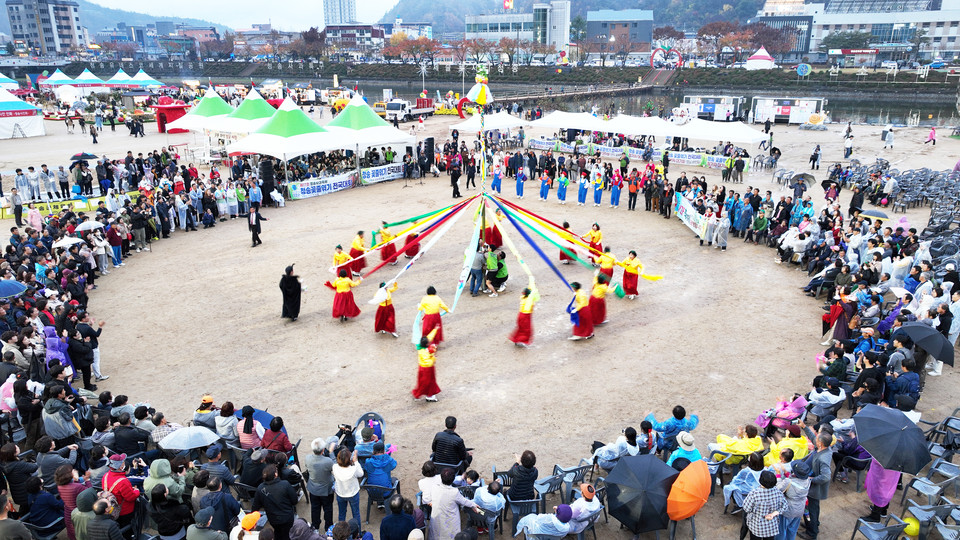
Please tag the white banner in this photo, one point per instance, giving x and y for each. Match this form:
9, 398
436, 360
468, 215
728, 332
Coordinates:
372, 175
689, 215
314, 187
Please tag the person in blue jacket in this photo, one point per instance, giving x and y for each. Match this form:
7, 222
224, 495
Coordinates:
521, 178
672, 427
378, 467
582, 188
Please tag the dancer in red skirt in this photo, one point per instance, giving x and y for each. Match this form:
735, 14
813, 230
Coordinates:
584, 327
344, 307
523, 334
431, 305
357, 248
385, 321
631, 271
426, 372
564, 258
595, 238
388, 251
598, 301
414, 246
606, 262
340, 260
491, 234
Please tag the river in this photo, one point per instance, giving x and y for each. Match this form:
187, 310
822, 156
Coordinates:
863, 111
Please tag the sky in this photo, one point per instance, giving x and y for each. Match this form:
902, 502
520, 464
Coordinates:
292, 16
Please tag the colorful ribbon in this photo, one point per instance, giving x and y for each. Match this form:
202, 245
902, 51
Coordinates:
468, 254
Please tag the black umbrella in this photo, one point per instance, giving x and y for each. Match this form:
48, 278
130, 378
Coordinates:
928, 339
806, 177
826, 184
892, 439
82, 156
874, 214
637, 492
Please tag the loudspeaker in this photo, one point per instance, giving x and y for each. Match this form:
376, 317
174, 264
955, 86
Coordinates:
266, 178
429, 150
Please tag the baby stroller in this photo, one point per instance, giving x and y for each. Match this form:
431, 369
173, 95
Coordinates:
784, 416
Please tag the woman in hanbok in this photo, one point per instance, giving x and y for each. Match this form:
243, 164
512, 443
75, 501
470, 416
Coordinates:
344, 306
564, 258
358, 248
598, 301
431, 305
595, 238
388, 250
426, 371
581, 315
522, 335
385, 321
231, 196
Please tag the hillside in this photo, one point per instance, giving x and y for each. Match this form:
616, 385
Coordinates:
689, 15
96, 17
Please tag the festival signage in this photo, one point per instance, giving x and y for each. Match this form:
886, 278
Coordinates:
689, 215
693, 159
53, 207
373, 175
314, 187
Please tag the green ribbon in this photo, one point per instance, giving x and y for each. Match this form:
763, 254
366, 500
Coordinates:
536, 229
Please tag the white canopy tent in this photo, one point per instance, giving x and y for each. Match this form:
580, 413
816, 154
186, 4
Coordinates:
7, 83
58, 78
19, 118
566, 120
639, 125
706, 130
500, 120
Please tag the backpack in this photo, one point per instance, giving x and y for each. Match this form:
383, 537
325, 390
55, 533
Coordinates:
114, 509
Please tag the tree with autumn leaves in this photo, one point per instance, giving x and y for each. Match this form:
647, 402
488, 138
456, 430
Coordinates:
715, 36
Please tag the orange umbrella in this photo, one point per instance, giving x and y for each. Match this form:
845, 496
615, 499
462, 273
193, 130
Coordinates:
689, 492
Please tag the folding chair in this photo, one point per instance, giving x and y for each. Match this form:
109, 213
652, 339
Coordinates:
879, 531
846, 462
546, 486
928, 514
571, 476
518, 509
44, 533
378, 494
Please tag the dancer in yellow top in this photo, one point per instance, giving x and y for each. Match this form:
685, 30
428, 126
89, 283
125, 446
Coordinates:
523, 334
631, 270
606, 261
387, 252
358, 248
340, 260
344, 306
431, 305
598, 302
385, 321
595, 238
583, 329
426, 370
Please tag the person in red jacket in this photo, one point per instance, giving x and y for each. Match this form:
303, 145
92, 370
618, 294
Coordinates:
116, 243
274, 438
116, 482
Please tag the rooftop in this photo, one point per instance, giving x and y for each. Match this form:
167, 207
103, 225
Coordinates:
620, 15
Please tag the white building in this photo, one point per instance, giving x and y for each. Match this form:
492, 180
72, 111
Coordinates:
893, 25
50, 26
339, 11
548, 24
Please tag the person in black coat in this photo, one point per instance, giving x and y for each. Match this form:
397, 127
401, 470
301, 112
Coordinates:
254, 225
81, 354
291, 288
170, 516
279, 500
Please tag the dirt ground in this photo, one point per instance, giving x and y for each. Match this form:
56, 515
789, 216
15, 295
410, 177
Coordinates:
723, 334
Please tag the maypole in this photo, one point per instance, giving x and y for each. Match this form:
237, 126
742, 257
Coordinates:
480, 94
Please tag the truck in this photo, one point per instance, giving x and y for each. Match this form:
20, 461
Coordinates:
403, 110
